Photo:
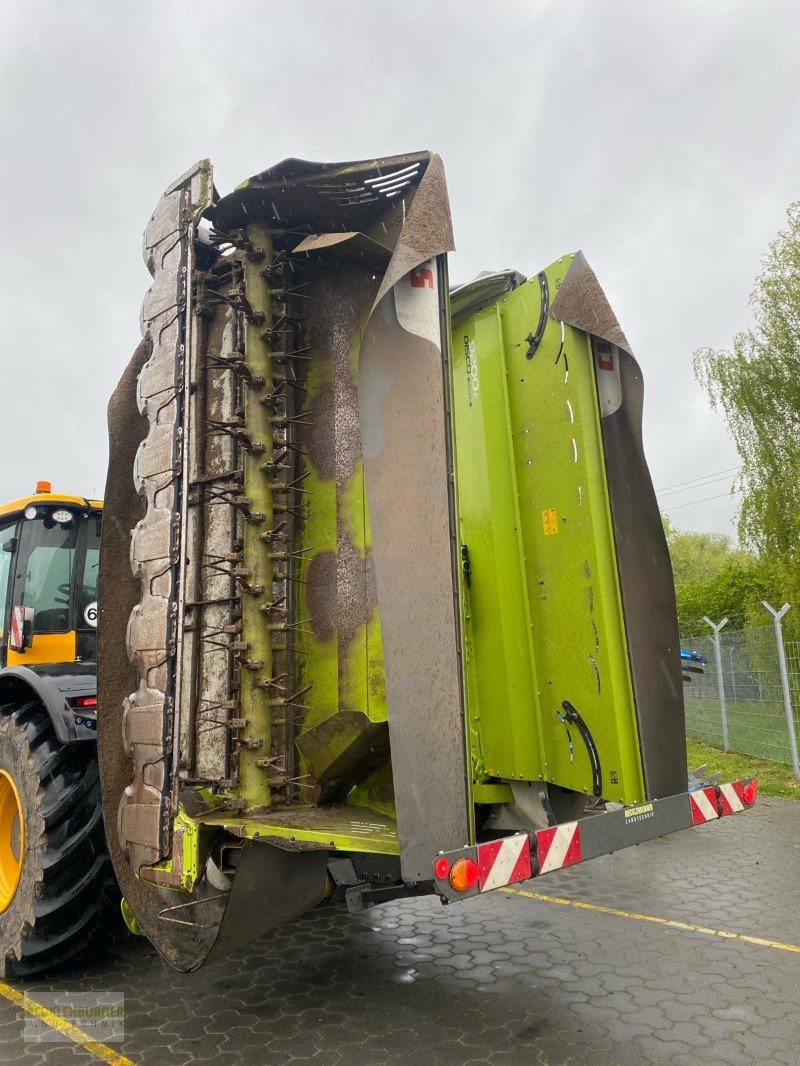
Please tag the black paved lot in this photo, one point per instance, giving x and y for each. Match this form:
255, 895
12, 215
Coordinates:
504, 980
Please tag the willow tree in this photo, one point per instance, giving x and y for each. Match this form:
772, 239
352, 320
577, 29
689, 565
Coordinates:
757, 386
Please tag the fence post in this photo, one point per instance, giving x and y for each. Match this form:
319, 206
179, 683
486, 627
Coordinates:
723, 706
732, 673
787, 695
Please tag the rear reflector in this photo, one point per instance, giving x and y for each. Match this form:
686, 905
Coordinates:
442, 867
750, 791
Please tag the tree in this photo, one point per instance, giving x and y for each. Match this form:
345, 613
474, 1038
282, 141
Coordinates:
714, 578
700, 556
736, 592
757, 386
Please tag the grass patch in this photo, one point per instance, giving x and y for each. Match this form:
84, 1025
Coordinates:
753, 726
774, 779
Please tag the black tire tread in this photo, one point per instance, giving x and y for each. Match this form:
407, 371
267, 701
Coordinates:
71, 888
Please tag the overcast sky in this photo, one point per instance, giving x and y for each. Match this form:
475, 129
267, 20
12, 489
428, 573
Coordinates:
661, 138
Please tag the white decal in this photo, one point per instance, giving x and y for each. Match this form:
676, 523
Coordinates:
471, 362
416, 301
609, 386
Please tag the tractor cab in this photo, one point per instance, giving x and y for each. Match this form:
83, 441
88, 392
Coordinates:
49, 555
57, 889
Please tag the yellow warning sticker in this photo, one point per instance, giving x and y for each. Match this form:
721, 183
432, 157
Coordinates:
550, 521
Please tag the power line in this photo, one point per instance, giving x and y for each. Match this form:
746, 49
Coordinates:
682, 484
703, 477
703, 485
705, 499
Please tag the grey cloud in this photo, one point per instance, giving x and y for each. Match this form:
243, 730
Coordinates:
661, 139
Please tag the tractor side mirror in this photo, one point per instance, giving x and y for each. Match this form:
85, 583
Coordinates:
21, 628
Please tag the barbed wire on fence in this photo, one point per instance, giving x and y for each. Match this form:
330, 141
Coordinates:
752, 699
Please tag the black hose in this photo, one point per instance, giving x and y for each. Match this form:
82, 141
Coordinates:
572, 715
535, 339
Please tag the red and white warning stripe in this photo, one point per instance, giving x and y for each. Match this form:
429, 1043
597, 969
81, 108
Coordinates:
503, 862
478, 868
731, 797
17, 626
558, 846
703, 802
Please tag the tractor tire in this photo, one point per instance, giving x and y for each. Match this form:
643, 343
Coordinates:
58, 895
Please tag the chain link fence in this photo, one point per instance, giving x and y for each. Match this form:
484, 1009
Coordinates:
744, 700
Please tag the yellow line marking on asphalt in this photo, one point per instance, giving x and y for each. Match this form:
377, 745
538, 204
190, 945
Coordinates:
671, 923
30, 1006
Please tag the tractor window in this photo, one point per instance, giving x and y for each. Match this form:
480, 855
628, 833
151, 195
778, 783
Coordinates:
87, 590
44, 574
6, 557
5, 570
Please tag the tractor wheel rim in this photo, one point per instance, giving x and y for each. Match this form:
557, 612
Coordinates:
12, 839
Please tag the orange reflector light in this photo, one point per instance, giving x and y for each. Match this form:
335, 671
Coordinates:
86, 701
442, 867
750, 791
44, 486
464, 874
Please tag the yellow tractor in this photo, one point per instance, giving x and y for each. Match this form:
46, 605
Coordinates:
57, 893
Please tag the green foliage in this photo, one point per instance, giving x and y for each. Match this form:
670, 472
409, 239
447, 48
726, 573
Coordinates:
699, 556
714, 578
757, 386
735, 591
